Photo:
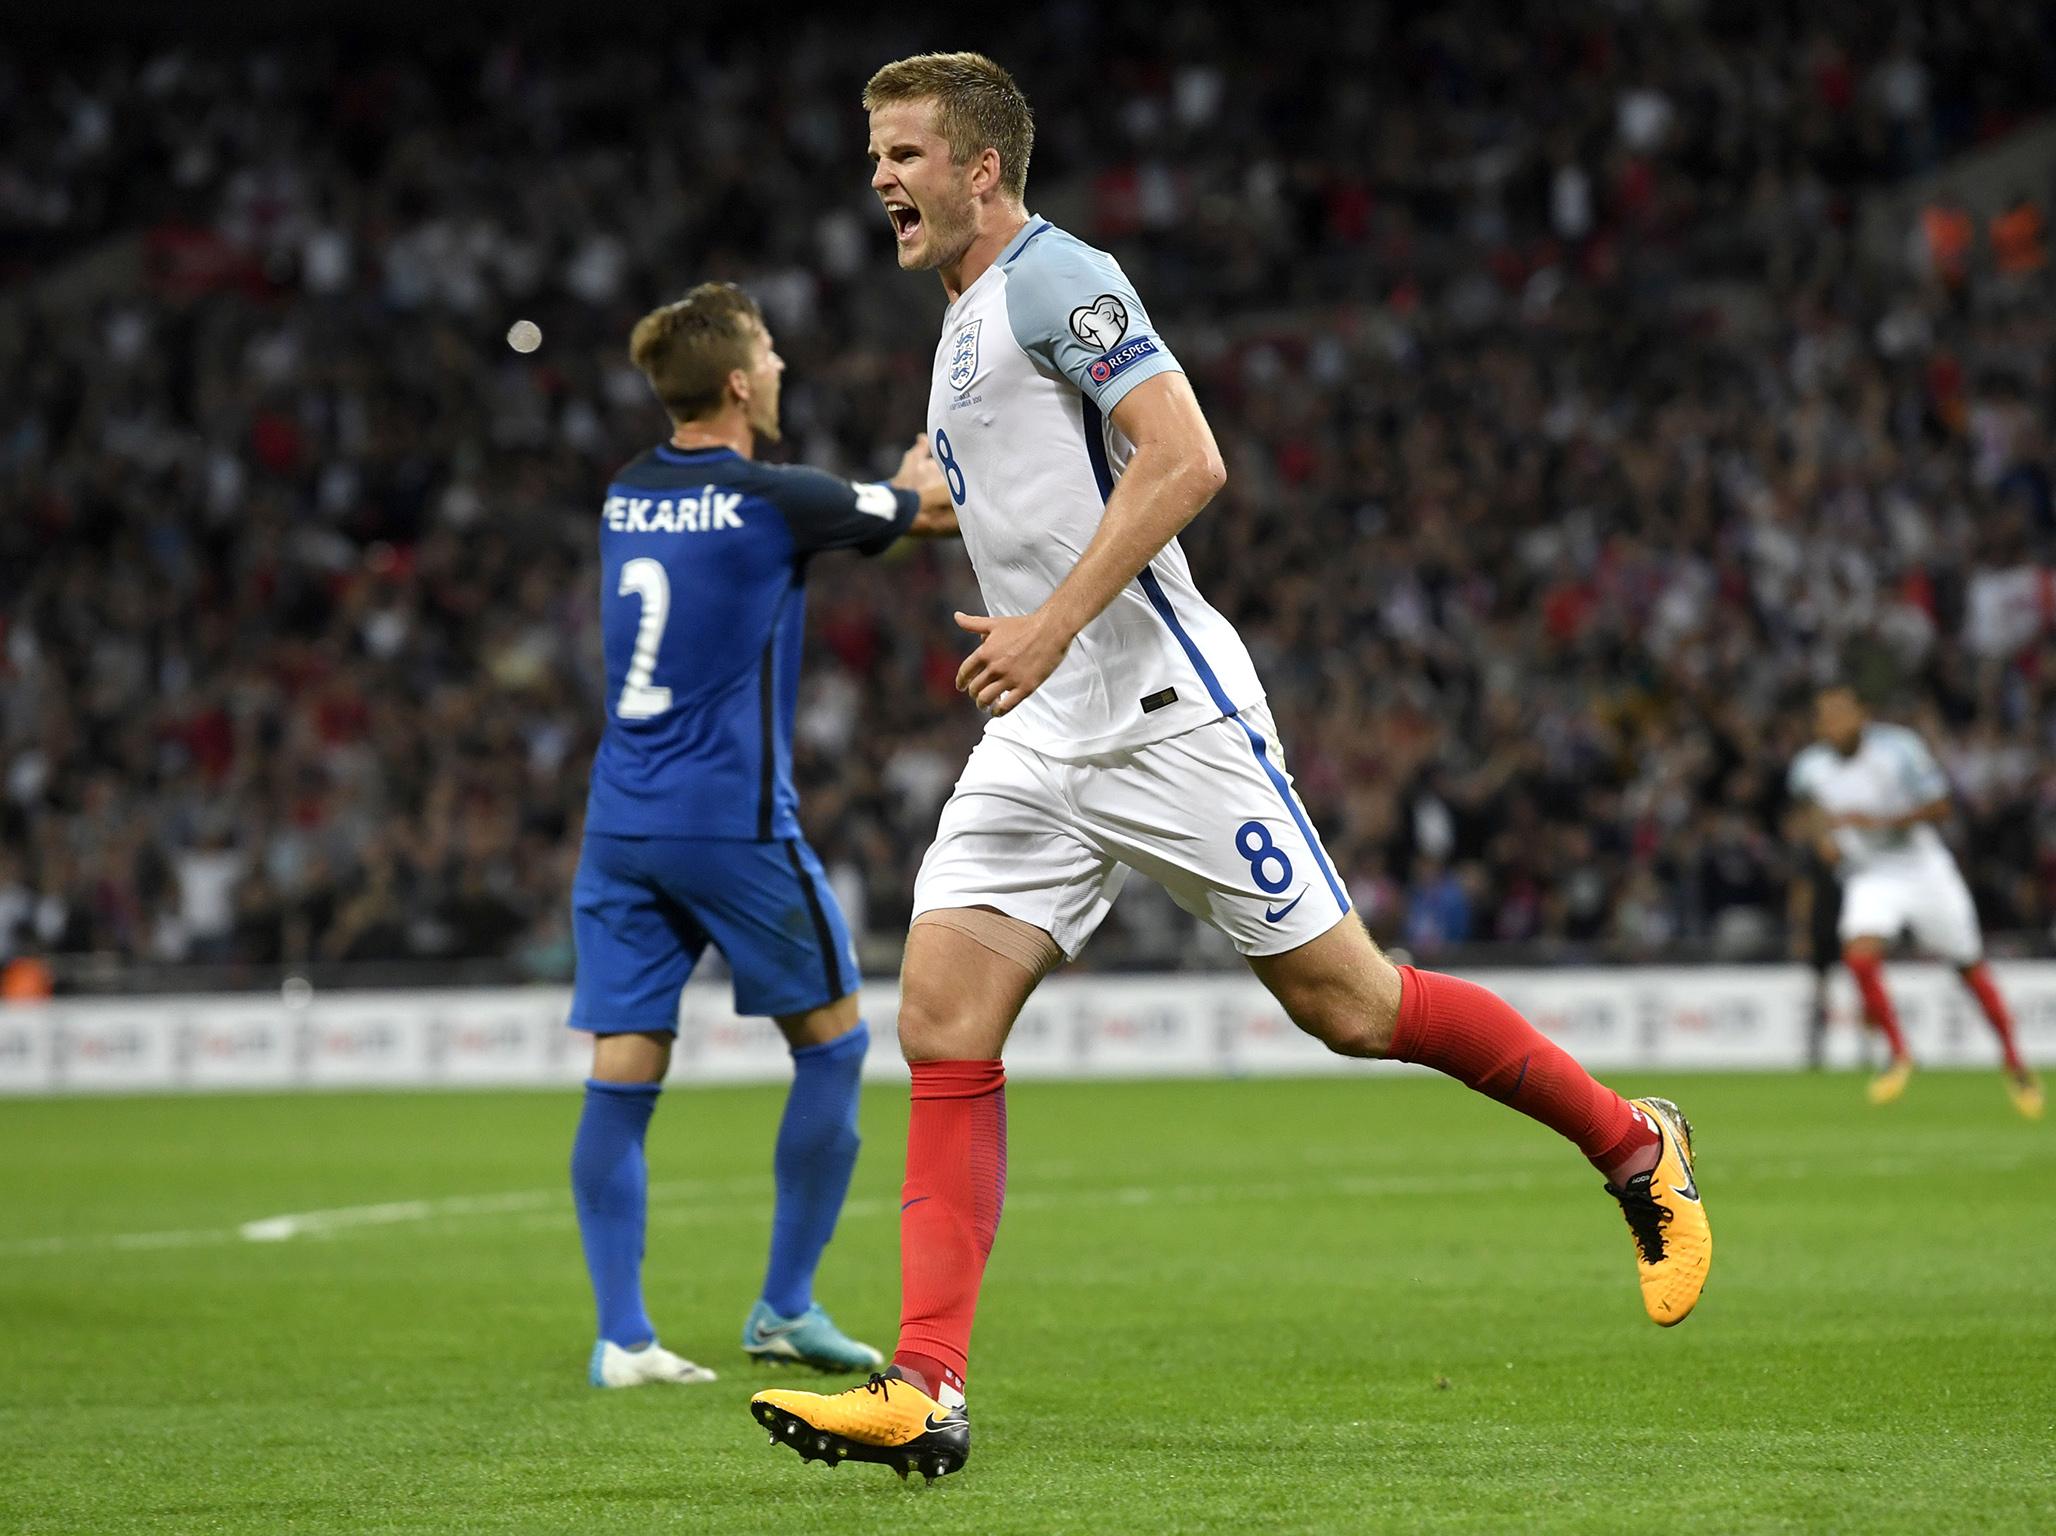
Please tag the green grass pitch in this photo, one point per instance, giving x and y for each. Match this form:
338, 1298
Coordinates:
1333, 1305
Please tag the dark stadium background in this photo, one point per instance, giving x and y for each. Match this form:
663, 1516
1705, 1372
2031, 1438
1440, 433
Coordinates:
1594, 379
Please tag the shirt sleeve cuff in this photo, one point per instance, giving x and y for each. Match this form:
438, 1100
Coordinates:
909, 503
1117, 389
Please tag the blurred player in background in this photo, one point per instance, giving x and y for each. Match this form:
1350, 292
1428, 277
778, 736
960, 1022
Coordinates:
1813, 912
691, 833
1875, 795
1129, 731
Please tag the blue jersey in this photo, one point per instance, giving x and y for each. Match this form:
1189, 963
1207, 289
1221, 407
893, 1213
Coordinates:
703, 562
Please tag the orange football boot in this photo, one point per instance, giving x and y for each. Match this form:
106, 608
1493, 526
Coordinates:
1673, 1243
887, 1420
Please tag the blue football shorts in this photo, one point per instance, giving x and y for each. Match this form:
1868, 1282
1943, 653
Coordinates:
644, 909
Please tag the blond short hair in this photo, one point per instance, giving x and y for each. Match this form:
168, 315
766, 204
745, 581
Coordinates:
688, 349
977, 107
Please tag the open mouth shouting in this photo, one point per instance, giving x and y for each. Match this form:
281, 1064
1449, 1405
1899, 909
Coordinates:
906, 222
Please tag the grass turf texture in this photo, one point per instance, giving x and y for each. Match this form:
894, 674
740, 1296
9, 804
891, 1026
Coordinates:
1275, 1306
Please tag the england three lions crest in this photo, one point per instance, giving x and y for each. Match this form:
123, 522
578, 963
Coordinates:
963, 357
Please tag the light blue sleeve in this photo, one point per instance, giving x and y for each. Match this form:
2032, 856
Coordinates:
1918, 770
1074, 311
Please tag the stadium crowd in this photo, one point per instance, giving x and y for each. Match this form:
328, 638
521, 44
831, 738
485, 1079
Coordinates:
1573, 436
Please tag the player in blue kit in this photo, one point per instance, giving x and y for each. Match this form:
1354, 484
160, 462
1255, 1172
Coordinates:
692, 835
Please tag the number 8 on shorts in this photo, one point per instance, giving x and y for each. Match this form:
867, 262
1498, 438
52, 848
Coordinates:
1253, 842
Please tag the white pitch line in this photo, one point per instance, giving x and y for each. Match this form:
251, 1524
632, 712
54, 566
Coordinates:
39, 1247
321, 1223
551, 1207
278, 1229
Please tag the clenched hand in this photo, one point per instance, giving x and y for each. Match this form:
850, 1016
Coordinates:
1015, 657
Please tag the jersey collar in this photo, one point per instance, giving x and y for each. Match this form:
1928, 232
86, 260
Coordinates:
671, 455
1028, 232
1023, 237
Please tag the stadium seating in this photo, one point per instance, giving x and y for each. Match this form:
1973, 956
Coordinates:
1572, 436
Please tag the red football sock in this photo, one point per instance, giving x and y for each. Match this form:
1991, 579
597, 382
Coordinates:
1478, 1039
1979, 979
949, 1212
1869, 971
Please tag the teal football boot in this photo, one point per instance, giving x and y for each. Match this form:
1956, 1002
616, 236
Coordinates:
809, 1339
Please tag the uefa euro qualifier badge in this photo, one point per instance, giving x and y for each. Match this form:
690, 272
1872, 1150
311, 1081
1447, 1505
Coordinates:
1102, 324
963, 357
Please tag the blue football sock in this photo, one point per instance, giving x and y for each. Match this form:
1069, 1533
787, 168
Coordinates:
817, 1149
610, 1187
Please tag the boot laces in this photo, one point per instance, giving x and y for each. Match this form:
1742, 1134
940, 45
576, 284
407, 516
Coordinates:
1647, 1217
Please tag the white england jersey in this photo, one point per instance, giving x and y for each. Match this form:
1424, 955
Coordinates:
1890, 773
1034, 357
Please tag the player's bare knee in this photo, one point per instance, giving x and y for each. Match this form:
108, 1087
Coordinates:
918, 1026
631, 1058
820, 1026
935, 1022
1381, 994
931, 1030
1348, 1021
966, 975
1343, 1032
1340, 989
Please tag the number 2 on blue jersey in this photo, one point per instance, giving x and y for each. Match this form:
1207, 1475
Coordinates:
951, 471
645, 579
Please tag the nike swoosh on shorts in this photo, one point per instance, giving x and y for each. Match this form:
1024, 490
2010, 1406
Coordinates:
1279, 915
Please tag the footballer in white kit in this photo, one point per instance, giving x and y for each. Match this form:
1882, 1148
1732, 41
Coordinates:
1898, 876
1149, 747
1127, 731
1876, 795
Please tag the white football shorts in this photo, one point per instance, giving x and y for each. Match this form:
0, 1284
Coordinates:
1210, 815
1927, 898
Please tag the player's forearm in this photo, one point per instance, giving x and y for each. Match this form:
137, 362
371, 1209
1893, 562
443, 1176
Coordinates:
934, 523
1934, 810
1160, 492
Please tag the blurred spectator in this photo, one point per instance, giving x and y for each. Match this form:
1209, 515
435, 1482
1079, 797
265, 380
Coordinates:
1951, 236
2020, 240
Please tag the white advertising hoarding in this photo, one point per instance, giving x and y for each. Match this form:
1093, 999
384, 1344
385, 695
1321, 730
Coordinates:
1082, 1026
